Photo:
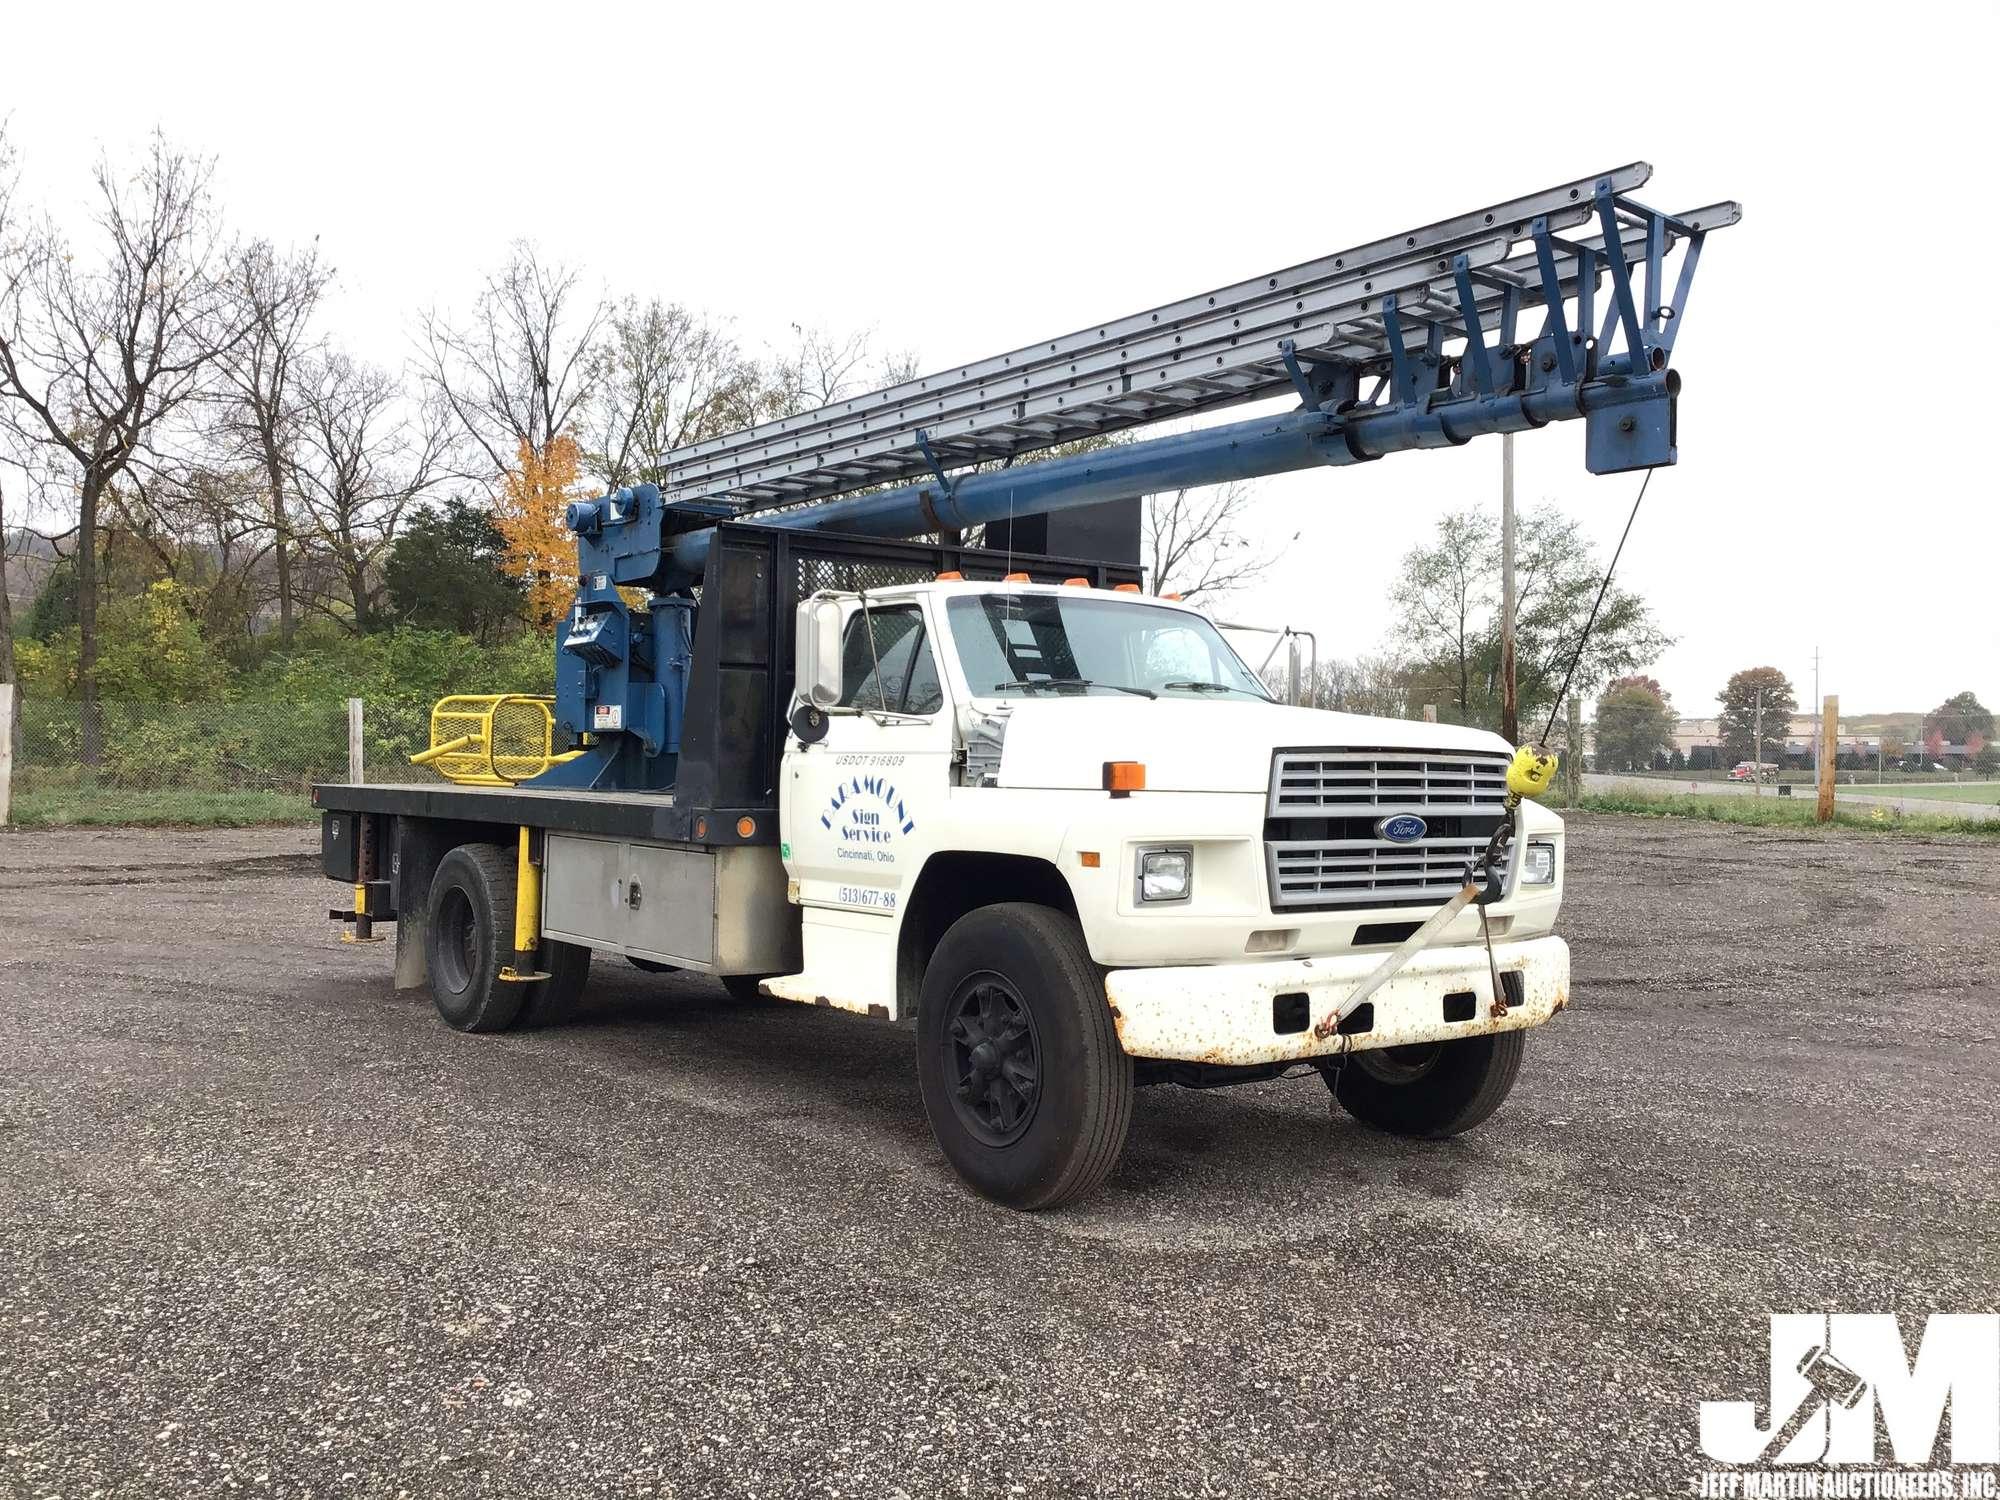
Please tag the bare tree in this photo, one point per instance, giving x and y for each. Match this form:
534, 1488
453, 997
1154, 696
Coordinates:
93, 359
525, 365
1194, 541
666, 377
363, 456
821, 368
277, 295
203, 525
9, 178
28, 556
1377, 685
6, 597
1443, 594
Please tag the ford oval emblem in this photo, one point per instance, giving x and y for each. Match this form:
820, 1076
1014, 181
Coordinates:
1403, 828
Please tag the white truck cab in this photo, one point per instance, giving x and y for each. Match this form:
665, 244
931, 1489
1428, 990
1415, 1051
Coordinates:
1068, 832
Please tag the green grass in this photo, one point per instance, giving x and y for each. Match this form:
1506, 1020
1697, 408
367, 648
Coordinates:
116, 807
1780, 812
1936, 791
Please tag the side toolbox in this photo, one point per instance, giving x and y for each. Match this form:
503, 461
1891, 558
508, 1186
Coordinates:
720, 910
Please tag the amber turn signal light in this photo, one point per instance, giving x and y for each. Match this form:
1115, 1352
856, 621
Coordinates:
1123, 777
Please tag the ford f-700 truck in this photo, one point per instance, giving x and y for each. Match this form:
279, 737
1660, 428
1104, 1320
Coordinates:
1059, 828
1053, 823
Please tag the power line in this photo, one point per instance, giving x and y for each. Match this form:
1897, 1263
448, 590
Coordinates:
1584, 639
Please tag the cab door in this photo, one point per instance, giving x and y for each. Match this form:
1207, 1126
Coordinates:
862, 804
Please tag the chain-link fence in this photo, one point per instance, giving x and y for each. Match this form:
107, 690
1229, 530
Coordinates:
199, 762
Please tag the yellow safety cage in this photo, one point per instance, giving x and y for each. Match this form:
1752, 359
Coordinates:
492, 739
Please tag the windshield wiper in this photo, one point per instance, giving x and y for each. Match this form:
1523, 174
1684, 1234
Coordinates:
1028, 685
1217, 687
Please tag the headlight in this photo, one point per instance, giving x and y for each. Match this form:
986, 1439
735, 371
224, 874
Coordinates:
1165, 874
1538, 865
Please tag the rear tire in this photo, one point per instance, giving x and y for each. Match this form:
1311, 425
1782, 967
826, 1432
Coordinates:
1431, 1089
469, 938
550, 1001
1028, 1092
650, 965
743, 986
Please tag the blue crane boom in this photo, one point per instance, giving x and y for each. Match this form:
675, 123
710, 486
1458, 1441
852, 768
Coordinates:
1428, 322
1413, 341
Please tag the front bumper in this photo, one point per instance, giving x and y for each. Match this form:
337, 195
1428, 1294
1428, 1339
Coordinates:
1227, 1013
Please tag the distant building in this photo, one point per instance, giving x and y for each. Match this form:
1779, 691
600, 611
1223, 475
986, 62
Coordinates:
1699, 741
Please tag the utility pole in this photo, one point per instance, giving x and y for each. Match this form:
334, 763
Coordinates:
9, 703
1829, 753
1510, 704
1757, 747
1816, 698
1572, 760
357, 759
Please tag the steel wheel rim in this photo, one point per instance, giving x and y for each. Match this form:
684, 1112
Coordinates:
992, 1059
1400, 1065
456, 931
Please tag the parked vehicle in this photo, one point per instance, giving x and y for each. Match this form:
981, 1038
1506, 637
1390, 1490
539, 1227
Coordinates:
1054, 824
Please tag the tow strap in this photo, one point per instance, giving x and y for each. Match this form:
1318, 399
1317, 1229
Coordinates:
1529, 774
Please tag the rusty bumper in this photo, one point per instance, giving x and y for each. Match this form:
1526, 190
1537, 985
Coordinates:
1230, 1013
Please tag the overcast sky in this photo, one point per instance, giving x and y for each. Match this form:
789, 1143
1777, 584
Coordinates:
966, 179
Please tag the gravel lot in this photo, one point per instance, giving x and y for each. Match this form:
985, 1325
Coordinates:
266, 1226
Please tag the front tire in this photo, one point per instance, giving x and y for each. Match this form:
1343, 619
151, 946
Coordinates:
1431, 1089
1028, 1092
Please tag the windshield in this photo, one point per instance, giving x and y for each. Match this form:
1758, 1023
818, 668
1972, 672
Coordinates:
1074, 643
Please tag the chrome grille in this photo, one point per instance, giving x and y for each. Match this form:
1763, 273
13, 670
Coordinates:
1370, 872
1323, 802
1386, 781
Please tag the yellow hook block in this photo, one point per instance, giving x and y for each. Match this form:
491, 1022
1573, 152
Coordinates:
1532, 771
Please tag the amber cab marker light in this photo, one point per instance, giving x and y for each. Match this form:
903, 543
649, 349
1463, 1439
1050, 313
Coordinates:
745, 827
1173, 598
701, 828
1076, 583
1015, 578
1125, 588
1124, 777
951, 577
1088, 858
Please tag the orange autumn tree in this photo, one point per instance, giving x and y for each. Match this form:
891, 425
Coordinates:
529, 516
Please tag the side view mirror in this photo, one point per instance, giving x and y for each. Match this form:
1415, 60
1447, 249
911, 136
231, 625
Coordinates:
818, 659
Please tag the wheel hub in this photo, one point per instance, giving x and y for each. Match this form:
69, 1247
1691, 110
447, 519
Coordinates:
992, 1059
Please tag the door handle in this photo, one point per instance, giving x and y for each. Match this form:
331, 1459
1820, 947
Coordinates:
632, 895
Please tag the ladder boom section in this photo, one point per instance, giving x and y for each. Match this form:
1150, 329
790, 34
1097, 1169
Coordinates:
1419, 313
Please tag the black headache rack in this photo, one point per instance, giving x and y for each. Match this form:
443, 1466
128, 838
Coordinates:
739, 691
